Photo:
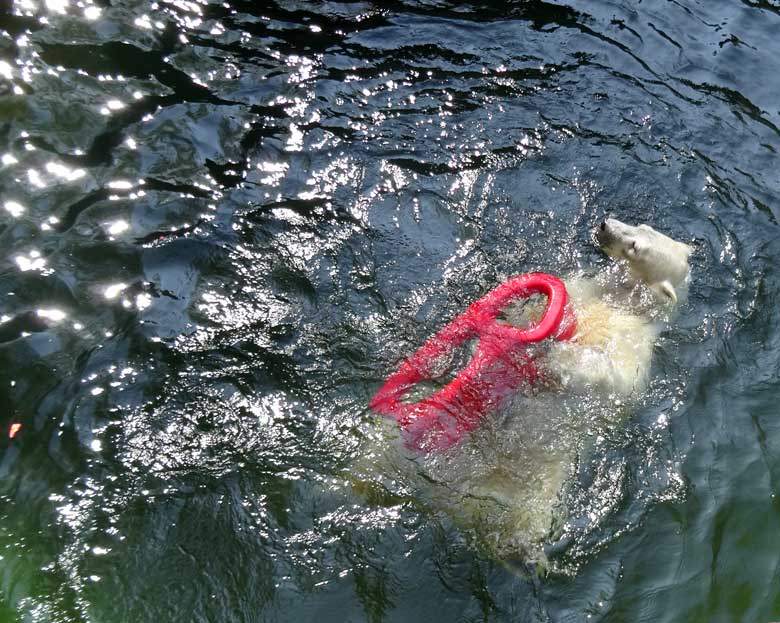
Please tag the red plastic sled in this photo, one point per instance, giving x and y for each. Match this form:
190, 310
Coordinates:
502, 362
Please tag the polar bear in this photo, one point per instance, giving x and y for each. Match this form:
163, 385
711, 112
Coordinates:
621, 311
653, 258
513, 492
503, 485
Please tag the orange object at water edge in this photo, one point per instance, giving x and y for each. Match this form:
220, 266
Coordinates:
15, 428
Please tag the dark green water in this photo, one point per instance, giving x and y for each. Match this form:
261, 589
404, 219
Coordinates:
223, 224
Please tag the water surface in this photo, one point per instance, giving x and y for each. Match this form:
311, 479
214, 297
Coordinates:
223, 223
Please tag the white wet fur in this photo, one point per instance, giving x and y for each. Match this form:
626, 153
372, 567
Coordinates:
503, 484
621, 311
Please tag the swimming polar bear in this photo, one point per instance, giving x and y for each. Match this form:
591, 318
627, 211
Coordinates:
503, 485
620, 312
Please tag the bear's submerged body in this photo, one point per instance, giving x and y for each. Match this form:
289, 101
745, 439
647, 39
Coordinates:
612, 347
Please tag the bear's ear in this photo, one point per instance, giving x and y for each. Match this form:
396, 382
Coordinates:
665, 291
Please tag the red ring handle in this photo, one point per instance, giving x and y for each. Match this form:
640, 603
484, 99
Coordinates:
501, 363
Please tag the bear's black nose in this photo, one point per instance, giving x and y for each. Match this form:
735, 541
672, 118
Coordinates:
603, 225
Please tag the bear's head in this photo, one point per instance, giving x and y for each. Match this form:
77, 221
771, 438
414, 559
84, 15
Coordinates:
653, 258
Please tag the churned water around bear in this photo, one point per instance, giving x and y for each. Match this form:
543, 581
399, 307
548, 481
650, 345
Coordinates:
224, 223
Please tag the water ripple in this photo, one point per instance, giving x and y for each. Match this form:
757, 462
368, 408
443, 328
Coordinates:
223, 224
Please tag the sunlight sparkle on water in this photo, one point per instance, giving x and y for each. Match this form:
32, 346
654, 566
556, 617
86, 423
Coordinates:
56, 315
14, 209
112, 105
120, 184
117, 227
142, 301
35, 178
5, 70
143, 22
52, 220
276, 171
33, 261
112, 291
92, 12
61, 171
57, 6
295, 142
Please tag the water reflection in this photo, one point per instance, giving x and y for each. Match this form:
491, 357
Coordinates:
224, 224
14, 209
32, 261
56, 315
112, 291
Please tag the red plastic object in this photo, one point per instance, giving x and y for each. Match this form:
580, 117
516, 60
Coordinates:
502, 362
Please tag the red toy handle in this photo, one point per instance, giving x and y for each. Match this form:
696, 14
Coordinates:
500, 364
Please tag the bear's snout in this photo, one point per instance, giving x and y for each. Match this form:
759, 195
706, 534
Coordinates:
604, 234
